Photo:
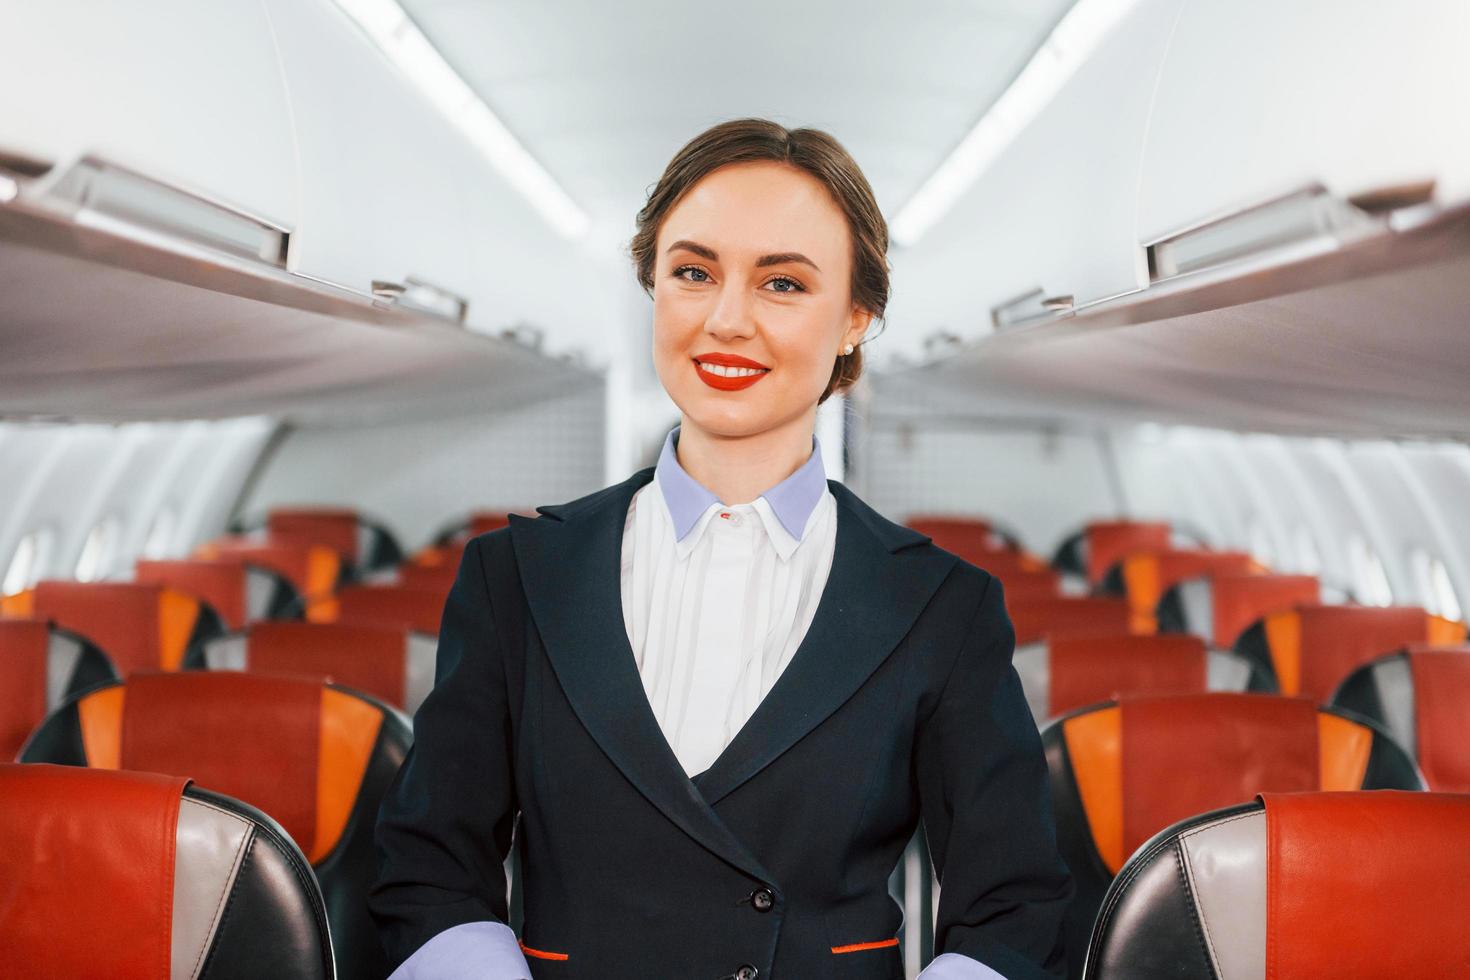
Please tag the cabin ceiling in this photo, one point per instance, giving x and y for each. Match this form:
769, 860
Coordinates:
603, 94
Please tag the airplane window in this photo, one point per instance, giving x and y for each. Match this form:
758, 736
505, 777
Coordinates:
1432, 582
1308, 560
28, 561
160, 534
1261, 548
1443, 591
1370, 580
97, 551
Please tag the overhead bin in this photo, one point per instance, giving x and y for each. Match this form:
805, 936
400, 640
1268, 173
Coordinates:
190, 95
1257, 99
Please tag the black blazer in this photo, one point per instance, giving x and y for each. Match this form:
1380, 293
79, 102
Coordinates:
899, 702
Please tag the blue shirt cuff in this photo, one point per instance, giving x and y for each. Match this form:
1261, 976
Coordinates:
957, 966
470, 951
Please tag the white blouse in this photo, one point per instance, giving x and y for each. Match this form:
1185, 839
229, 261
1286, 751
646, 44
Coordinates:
715, 616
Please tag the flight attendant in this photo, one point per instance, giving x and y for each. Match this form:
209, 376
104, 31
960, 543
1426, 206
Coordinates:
721, 694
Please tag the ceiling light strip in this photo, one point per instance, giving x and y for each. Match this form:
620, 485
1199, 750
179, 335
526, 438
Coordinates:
1076, 36
405, 45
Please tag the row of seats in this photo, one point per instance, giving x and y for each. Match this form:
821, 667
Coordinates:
267, 672
307, 592
1136, 696
1172, 681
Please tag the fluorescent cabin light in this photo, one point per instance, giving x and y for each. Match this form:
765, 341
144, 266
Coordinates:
405, 45
1070, 43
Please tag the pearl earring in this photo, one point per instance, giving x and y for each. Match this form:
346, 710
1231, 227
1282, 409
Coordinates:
847, 349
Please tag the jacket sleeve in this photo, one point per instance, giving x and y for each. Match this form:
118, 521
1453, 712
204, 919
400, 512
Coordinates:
987, 810
444, 827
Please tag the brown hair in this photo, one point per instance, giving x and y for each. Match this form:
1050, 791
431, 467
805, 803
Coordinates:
810, 150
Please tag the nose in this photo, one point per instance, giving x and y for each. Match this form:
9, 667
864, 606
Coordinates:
731, 316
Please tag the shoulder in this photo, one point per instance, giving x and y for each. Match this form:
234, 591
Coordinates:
915, 545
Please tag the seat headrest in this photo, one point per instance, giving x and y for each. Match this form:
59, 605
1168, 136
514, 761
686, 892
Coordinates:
1037, 618
1147, 575
409, 607
94, 851
140, 626
1237, 600
131, 873
1314, 647
311, 569
1088, 669
372, 659
1108, 541
24, 671
1441, 723
334, 527
294, 747
1216, 749
222, 584
1344, 885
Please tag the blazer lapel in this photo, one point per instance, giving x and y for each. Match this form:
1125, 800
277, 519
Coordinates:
571, 572
872, 597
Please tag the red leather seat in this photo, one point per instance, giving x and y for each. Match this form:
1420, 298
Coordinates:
967, 537
241, 592
375, 604
316, 757
1101, 544
1221, 606
392, 664
1352, 886
1143, 577
364, 544
1420, 696
313, 570
141, 876
1072, 671
1312, 648
40, 667
138, 625
1038, 617
1124, 770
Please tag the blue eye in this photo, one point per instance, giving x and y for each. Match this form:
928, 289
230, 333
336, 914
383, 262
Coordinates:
796, 287
679, 273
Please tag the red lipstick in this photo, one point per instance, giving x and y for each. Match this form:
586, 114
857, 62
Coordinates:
728, 360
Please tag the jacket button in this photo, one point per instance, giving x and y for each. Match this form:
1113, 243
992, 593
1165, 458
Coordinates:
747, 972
762, 899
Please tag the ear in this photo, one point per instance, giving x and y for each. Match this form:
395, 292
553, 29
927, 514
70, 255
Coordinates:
857, 326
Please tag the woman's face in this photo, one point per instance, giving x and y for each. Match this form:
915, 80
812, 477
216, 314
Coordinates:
753, 268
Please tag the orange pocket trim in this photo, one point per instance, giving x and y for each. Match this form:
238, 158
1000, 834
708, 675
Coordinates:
541, 954
857, 947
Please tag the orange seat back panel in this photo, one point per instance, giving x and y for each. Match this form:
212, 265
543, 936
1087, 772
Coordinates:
1367, 885
87, 872
1087, 669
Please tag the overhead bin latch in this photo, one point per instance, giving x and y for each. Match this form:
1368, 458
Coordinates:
1306, 219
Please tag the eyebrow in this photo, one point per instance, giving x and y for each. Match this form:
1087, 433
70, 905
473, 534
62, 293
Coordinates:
775, 258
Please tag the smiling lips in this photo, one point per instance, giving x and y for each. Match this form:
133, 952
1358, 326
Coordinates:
729, 372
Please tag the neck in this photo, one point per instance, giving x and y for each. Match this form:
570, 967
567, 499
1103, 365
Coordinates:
738, 469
